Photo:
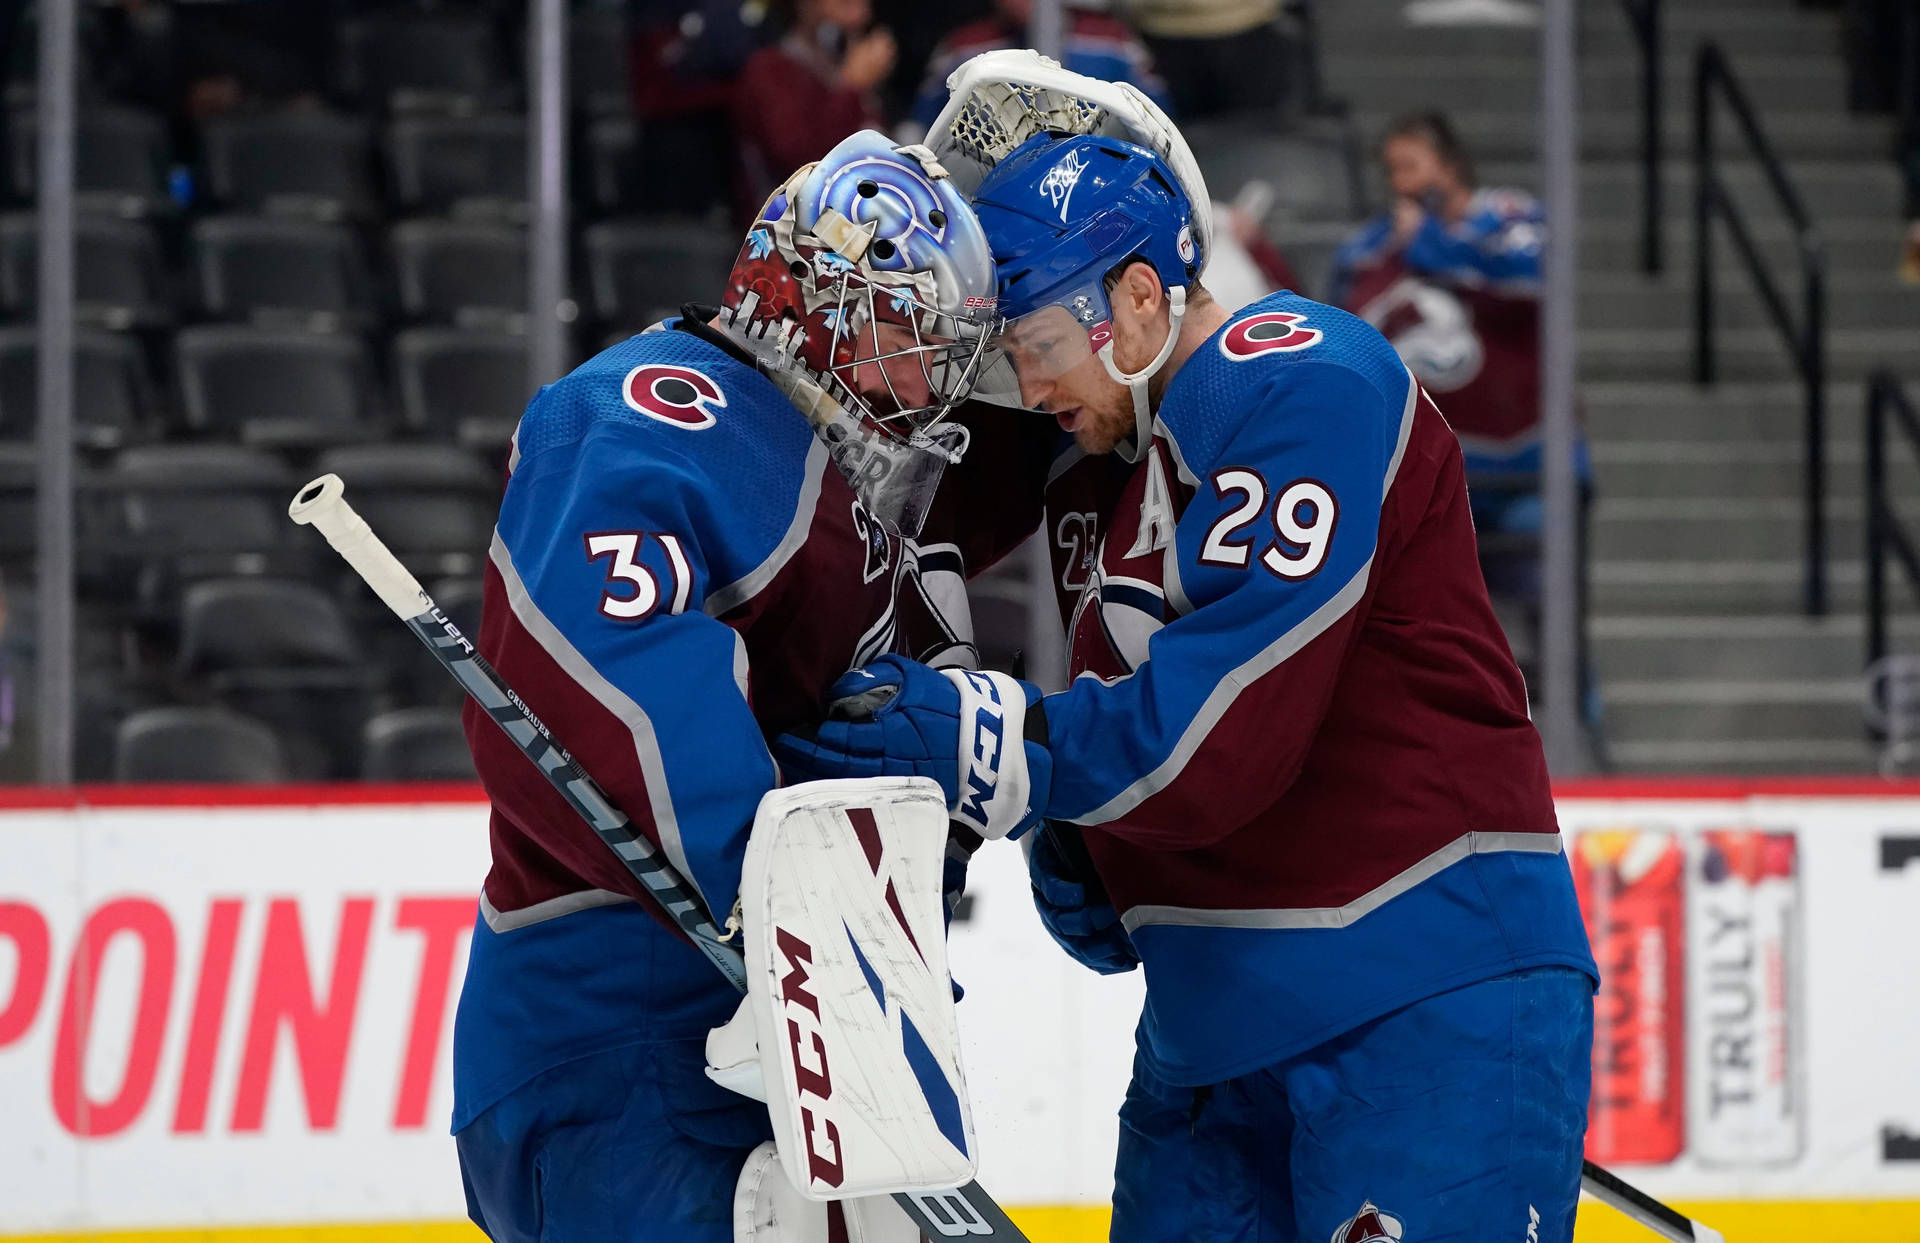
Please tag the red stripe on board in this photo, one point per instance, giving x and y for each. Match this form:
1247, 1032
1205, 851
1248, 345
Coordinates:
19, 798
348, 793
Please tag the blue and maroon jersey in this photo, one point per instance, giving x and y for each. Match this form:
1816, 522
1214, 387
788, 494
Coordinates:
1295, 733
678, 573
1461, 304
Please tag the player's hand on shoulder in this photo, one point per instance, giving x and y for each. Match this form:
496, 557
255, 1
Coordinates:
965, 730
1072, 903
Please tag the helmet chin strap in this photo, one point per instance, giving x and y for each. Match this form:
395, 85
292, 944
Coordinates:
1136, 382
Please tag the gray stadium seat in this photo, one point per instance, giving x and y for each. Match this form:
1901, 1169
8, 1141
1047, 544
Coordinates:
197, 744
179, 513
276, 387
433, 505
295, 273
613, 155
120, 161
119, 280
471, 167
443, 61
473, 274
600, 52
316, 165
281, 650
456, 384
415, 744
642, 270
113, 395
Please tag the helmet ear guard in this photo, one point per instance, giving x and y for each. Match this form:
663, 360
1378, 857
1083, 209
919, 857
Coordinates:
1136, 381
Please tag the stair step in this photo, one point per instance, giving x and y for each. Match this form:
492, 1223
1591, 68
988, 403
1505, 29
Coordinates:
1734, 410
1855, 299
1608, 83
1743, 31
1714, 584
1511, 131
1865, 242
1841, 189
1732, 470
1796, 756
1681, 709
1685, 528
1719, 646
1742, 353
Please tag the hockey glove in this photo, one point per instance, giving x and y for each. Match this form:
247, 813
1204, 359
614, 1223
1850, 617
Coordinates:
1073, 903
968, 731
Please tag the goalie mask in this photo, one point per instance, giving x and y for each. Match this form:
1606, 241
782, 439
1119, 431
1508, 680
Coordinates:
866, 292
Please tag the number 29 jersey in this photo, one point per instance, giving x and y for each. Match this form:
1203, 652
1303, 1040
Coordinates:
1295, 734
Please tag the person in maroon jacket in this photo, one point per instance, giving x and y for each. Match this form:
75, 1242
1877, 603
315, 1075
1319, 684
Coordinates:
798, 98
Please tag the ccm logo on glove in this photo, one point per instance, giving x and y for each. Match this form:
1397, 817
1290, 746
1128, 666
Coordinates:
993, 792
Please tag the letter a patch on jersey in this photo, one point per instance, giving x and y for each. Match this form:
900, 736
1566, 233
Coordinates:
672, 394
1270, 332
1156, 511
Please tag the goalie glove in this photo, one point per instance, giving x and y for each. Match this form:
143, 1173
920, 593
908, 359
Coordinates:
981, 736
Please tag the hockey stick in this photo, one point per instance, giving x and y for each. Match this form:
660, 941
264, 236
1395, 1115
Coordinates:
964, 1212
1666, 1222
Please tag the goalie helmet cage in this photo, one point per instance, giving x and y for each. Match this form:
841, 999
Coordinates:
998, 100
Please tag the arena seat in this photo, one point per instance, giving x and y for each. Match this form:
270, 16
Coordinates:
469, 167
642, 270
441, 61
457, 384
277, 387
120, 161
317, 165
468, 273
119, 279
197, 744
415, 744
433, 505
114, 400
297, 273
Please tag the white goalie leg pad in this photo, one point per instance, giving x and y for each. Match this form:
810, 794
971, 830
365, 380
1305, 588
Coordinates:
767, 1209
848, 986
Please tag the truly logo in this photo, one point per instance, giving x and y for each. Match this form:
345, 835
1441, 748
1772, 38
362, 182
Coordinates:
1057, 186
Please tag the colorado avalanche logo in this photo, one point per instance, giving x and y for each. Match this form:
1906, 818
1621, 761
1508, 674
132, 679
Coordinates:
1267, 333
1369, 1225
677, 395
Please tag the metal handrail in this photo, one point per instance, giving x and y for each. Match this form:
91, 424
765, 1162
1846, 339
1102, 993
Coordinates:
1885, 533
1806, 341
1644, 17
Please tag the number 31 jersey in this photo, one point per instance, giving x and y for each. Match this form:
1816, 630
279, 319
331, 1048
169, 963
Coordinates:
1296, 735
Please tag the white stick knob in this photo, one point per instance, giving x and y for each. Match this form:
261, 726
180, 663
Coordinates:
322, 505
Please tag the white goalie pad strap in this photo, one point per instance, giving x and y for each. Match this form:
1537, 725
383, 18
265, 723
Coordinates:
767, 1209
994, 786
848, 985
733, 1054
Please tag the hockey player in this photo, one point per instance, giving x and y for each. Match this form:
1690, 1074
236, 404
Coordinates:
703, 527
1293, 773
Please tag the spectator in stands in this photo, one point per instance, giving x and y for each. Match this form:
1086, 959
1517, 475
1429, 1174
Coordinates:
799, 97
1220, 55
687, 56
1097, 44
1450, 274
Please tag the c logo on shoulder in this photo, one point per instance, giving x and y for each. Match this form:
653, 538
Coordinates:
677, 395
1270, 332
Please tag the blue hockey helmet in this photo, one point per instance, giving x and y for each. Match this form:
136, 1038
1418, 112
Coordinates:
1060, 213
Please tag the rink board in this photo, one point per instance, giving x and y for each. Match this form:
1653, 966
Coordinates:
252, 1039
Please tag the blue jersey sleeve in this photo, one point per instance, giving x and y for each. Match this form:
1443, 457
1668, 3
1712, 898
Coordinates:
615, 545
1273, 553
1497, 248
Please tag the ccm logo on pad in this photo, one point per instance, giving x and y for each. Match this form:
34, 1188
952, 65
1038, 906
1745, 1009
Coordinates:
812, 1080
677, 395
